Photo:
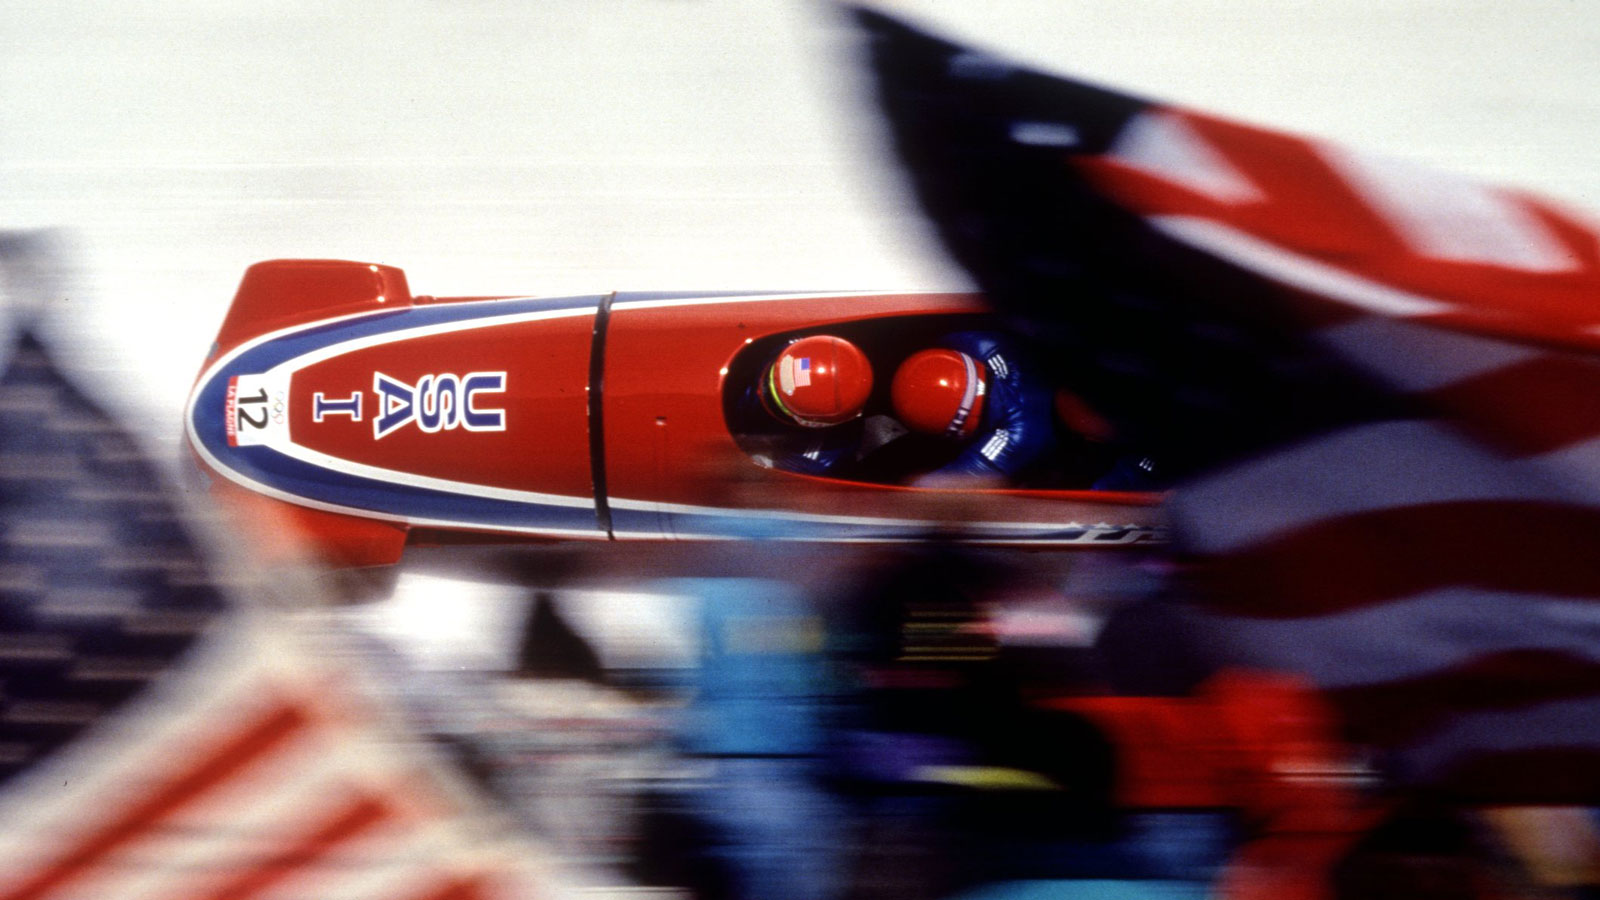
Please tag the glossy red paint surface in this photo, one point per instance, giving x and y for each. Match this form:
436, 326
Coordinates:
666, 437
544, 446
284, 292
350, 439
667, 440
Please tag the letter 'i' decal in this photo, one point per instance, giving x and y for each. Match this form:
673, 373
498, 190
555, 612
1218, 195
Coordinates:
321, 406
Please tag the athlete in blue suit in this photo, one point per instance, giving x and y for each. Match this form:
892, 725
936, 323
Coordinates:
974, 387
979, 389
994, 416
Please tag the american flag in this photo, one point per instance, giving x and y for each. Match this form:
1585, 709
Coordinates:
161, 736
256, 769
1376, 386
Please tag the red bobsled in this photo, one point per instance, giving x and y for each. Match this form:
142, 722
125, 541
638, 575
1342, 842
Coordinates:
371, 417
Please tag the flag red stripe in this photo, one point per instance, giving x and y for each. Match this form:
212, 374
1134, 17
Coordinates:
1554, 776
472, 887
1400, 711
1311, 209
1292, 176
266, 733
1359, 560
357, 816
1297, 177
1536, 406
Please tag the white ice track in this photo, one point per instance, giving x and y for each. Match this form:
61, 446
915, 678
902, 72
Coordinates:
573, 146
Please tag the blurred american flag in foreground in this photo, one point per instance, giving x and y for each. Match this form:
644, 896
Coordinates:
1375, 386
257, 770
162, 737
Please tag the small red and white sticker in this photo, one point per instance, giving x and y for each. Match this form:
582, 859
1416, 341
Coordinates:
256, 410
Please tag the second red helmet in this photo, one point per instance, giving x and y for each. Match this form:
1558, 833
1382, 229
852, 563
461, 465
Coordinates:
939, 392
818, 381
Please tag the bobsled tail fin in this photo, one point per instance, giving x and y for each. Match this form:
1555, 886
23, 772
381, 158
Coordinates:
284, 292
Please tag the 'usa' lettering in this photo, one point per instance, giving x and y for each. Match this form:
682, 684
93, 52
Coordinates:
437, 403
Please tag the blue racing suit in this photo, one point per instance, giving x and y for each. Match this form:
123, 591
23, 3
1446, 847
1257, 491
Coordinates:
1016, 428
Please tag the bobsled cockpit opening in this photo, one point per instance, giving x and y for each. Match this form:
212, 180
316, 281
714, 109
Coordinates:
878, 448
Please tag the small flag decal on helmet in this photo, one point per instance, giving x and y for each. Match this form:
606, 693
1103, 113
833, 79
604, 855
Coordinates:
794, 373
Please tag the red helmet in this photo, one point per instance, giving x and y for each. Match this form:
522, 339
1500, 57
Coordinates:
818, 381
939, 392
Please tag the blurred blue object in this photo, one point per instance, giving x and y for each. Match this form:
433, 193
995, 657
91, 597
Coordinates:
757, 690
1184, 846
755, 719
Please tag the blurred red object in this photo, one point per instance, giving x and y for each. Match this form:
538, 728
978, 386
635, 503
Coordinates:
1264, 744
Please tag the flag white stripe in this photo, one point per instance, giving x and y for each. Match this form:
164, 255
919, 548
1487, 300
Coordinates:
1447, 217
1387, 465
1414, 357
425, 855
1576, 465
1413, 636
1232, 245
238, 822
394, 874
1545, 726
1164, 145
349, 750
214, 695
329, 875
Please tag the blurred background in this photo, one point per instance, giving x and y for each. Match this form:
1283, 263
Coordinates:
492, 147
